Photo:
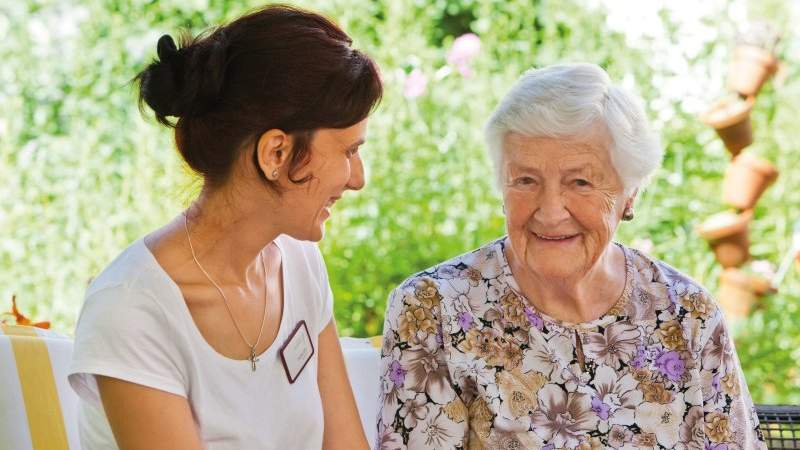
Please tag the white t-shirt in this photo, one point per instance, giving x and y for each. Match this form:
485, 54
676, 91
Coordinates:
135, 326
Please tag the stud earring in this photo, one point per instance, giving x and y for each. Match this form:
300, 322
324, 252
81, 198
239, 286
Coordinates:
627, 215
274, 174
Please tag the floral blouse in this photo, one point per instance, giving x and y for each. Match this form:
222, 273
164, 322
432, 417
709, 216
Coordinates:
468, 363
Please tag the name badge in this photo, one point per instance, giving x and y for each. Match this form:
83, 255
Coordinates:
297, 351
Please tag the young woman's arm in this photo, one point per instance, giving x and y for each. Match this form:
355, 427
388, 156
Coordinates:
343, 428
146, 418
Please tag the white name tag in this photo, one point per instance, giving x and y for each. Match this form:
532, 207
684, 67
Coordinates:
297, 351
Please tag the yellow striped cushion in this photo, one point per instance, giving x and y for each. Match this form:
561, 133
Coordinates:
37, 406
38, 409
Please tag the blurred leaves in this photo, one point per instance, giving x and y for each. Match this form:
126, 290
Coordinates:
83, 174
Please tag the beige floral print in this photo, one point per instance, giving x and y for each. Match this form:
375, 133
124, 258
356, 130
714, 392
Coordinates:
468, 363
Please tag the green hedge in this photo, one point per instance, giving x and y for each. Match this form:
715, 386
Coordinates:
83, 174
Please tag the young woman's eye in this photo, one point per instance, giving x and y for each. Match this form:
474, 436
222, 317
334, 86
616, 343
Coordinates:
352, 152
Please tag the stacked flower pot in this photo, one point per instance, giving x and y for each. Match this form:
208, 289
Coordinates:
746, 177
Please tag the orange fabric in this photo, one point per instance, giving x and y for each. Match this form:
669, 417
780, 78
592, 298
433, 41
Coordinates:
20, 318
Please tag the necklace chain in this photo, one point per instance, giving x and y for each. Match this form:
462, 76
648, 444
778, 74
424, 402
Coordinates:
252, 357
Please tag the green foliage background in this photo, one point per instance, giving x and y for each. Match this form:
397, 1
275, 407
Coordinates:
82, 174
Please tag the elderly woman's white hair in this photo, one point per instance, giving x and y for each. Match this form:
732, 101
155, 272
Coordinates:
567, 100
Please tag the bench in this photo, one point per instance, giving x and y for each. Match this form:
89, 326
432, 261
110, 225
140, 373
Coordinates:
39, 410
780, 425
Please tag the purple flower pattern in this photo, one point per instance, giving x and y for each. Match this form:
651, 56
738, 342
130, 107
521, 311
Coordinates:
601, 409
465, 320
396, 373
497, 372
534, 318
671, 365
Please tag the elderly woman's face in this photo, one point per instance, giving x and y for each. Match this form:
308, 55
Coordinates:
563, 201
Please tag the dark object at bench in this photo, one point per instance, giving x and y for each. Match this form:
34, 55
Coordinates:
780, 426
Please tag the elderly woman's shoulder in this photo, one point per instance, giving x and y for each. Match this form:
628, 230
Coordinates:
471, 268
665, 284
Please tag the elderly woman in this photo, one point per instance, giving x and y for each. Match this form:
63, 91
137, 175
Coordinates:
555, 336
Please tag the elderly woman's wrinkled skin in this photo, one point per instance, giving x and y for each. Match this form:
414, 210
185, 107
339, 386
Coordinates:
563, 201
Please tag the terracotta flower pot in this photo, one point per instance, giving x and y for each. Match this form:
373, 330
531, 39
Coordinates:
727, 234
739, 292
750, 68
730, 117
746, 178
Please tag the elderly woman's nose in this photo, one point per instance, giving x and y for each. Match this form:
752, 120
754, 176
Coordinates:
357, 179
552, 209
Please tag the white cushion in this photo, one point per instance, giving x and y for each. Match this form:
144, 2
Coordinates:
38, 409
363, 367
44, 404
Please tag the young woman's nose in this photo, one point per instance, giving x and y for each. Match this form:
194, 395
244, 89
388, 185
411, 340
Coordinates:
356, 181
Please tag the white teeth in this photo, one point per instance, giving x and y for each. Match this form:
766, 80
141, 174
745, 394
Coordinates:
553, 238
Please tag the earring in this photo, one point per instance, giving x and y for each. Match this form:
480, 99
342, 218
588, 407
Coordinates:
627, 215
274, 174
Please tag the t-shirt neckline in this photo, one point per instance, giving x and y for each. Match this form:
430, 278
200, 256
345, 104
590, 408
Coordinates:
186, 315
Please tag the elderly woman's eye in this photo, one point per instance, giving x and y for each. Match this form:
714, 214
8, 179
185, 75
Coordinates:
581, 182
524, 180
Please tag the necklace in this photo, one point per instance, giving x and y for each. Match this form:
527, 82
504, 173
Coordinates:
252, 357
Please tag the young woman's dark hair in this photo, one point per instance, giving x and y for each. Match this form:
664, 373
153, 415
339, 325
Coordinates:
278, 67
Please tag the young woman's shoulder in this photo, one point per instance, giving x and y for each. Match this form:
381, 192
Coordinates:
129, 328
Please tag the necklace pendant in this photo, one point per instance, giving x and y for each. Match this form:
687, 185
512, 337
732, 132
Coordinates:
253, 359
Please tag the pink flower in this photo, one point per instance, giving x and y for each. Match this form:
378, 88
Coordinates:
764, 268
414, 84
464, 49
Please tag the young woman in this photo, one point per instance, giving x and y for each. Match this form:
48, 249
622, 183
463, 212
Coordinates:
215, 331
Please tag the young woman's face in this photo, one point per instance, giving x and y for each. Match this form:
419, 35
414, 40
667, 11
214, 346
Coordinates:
335, 166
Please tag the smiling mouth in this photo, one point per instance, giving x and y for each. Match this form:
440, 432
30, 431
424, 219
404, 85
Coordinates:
331, 201
555, 237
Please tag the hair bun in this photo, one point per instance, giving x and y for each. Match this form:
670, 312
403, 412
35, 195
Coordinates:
184, 82
161, 83
166, 48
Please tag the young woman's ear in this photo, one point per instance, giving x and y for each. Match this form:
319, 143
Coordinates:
272, 152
